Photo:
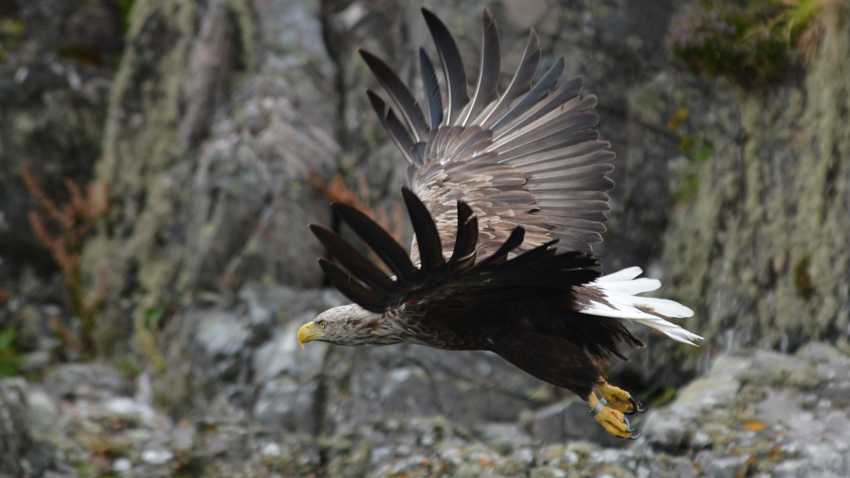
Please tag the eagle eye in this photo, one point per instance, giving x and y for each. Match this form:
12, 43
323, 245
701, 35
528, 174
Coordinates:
322, 323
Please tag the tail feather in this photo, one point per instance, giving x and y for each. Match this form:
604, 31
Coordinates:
619, 300
625, 282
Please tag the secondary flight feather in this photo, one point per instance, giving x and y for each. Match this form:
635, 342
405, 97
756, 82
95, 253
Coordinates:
506, 194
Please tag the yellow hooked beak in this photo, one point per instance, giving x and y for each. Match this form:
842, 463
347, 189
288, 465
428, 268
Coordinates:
308, 333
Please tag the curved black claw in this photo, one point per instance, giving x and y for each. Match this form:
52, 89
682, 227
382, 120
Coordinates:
637, 407
634, 435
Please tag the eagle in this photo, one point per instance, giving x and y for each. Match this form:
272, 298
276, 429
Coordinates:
506, 193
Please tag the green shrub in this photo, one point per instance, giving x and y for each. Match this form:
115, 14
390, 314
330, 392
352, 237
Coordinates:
10, 360
751, 42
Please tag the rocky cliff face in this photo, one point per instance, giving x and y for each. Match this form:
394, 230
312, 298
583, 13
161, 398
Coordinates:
217, 119
763, 414
56, 67
209, 163
220, 114
761, 251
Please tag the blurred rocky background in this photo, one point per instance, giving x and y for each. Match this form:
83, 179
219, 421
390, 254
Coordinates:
160, 159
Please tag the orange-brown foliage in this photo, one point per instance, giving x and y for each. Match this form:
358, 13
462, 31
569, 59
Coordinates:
61, 229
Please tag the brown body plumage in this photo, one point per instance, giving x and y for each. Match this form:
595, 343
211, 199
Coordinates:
506, 194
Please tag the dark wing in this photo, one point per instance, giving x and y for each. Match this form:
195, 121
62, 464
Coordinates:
527, 158
365, 283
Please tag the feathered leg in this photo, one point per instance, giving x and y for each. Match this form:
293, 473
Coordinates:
567, 365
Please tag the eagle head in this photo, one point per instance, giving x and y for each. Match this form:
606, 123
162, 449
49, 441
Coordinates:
351, 325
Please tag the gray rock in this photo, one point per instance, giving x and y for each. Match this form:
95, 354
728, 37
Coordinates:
716, 389
258, 359
156, 456
43, 413
760, 430
122, 465
773, 368
792, 469
548, 425
503, 437
547, 472
21, 452
668, 432
681, 467
620, 461
223, 334
727, 467
72, 380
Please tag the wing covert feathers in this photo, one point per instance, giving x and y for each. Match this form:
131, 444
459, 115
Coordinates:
529, 157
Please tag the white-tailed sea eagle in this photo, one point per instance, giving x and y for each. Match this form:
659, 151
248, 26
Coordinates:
506, 193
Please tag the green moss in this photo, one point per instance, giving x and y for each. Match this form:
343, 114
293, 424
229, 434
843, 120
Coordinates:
125, 7
802, 281
10, 359
10, 30
146, 330
700, 152
128, 369
749, 42
687, 189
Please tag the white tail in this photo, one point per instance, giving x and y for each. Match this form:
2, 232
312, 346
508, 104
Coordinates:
620, 301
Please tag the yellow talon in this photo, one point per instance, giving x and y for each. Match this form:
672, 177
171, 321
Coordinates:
619, 399
613, 421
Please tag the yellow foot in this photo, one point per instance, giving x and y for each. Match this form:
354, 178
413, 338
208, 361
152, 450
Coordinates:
619, 399
611, 420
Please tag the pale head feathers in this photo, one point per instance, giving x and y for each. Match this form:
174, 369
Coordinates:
354, 325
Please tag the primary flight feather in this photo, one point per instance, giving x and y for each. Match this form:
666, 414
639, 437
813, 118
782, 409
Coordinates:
506, 194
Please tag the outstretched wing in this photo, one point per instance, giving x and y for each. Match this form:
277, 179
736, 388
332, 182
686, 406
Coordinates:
436, 278
528, 157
